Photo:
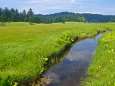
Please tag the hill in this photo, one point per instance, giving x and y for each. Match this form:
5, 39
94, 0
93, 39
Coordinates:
61, 17
77, 17
97, 17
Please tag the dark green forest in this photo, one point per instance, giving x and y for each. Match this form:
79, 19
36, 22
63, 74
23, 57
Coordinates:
98, 17
13, 15
112, 19
61, 17
69, 16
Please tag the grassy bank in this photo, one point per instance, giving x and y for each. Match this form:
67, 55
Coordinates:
102, 69
24, 49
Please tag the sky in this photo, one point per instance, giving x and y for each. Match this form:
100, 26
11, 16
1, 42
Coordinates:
106, 7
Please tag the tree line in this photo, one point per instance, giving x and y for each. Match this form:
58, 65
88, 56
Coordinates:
13, 15
61, 17
98, 17
112, 19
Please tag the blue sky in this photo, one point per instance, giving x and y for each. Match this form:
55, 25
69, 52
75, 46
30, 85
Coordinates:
106, 7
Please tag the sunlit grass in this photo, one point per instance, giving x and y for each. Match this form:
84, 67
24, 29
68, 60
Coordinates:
102, 69
24, 48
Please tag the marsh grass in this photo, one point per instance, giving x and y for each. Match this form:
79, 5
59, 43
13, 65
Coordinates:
6, 82
102, 69
14, 24
2, 24
24, 48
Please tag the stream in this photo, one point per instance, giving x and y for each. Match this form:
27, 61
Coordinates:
72, 67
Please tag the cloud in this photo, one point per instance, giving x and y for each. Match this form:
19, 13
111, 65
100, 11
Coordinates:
53, 6
80, 55
47, 1
73, 1
38, 1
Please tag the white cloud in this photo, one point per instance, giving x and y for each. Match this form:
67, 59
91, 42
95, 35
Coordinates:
73, 1
52, 6
47, 1
37, 1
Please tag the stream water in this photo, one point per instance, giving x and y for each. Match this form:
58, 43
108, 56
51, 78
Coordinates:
72, 67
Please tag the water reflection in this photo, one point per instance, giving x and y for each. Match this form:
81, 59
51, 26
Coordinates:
72, 67
82, 51
68, 70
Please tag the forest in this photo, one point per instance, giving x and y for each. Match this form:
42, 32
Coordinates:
13, 15
98, 17
61, 17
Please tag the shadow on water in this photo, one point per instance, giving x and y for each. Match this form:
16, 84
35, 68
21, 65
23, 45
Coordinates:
71, 67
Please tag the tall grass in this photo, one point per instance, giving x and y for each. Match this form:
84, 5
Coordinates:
2, 24
102, 69
25, 49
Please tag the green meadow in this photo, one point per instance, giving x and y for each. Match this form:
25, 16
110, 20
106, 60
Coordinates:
25, 49
102, 69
